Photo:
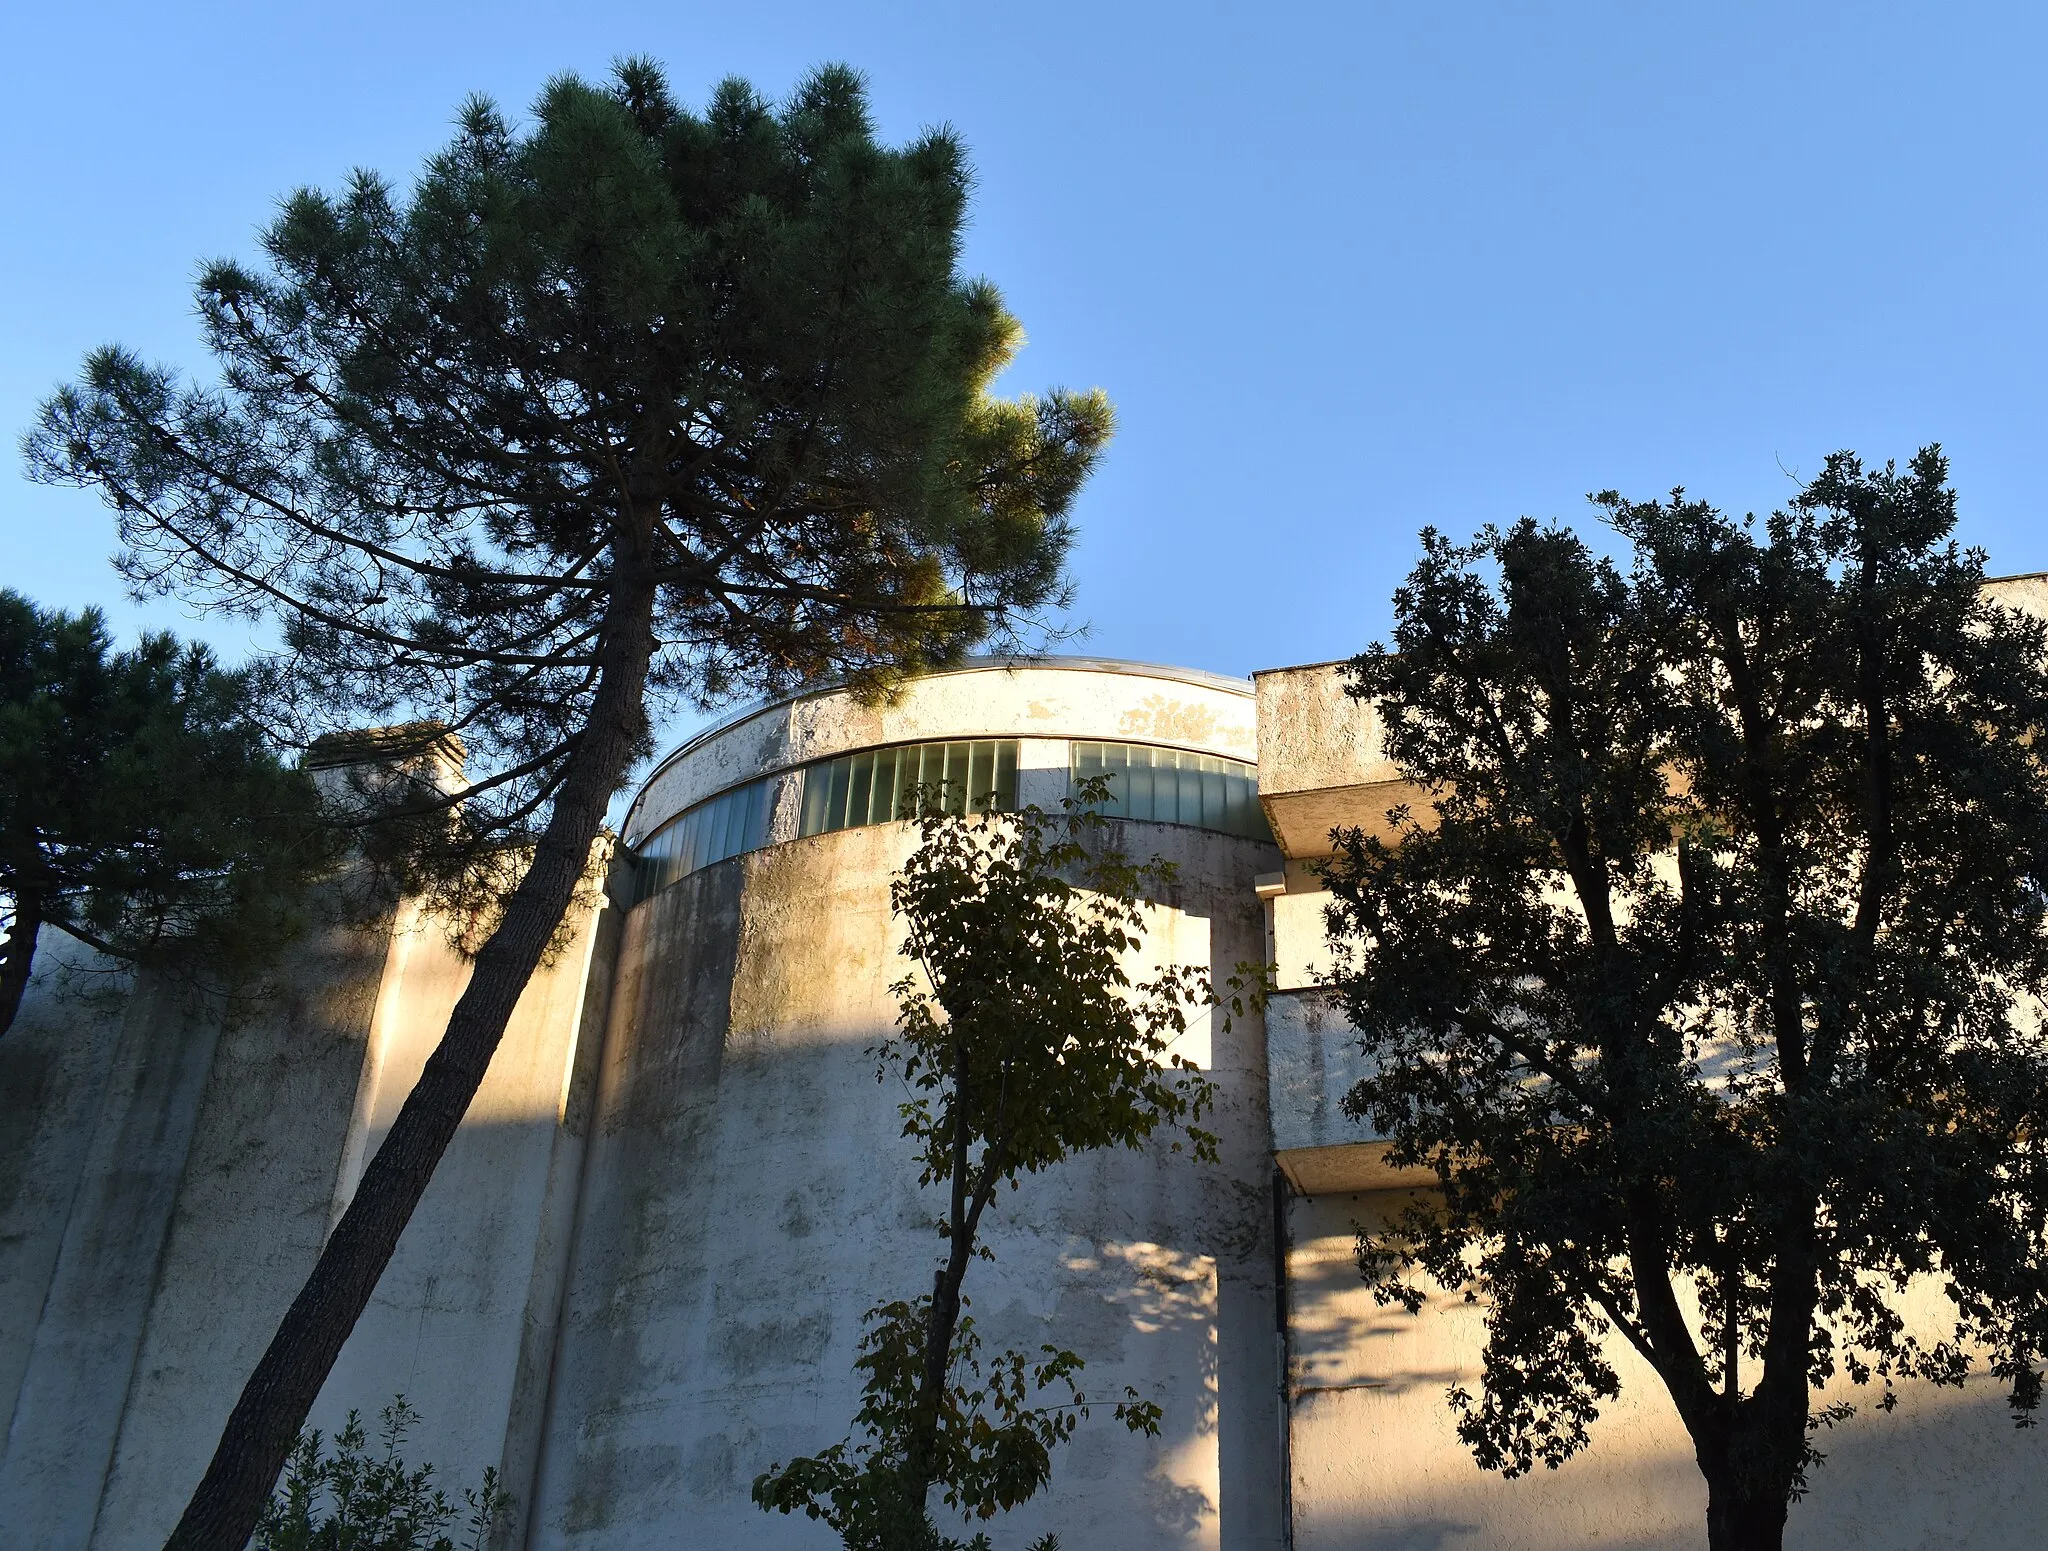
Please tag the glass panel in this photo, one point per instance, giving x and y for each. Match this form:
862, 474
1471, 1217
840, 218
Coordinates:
956, 778
1174, 786
874, 786
727, 825
1215, 802
1187, 792
686, 841
981, 762
1006, 776
717, 825
734, 840
835, 805
817, 789
1116, 765
859, 790
1159, 799
736, 837
888, 803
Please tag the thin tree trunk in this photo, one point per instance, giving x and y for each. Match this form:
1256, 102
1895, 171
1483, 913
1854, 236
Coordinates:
18, 954
939, 1328
274, 1403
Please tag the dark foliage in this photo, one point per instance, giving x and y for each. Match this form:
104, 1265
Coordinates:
355, 1498
1706, 983
142, 809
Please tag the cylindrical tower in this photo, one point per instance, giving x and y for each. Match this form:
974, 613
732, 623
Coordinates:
747, 1194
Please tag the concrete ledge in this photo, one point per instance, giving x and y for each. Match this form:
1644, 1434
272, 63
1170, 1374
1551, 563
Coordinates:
1347, 1169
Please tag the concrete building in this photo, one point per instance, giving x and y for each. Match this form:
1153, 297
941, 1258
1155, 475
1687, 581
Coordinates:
638, 1276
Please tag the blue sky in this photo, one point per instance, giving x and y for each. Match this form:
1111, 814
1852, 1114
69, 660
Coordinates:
1345, 270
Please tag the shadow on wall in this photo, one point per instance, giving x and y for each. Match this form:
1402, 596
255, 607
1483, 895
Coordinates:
743, 1196
1377, 1464
1887, 1486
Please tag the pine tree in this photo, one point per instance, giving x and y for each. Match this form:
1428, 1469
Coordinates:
626, 408
142, 809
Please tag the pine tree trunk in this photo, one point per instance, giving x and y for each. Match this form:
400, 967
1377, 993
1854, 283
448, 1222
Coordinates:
274, 1403
18, 954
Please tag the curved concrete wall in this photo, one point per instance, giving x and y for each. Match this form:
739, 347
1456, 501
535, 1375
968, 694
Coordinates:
1047, 702
748, 1194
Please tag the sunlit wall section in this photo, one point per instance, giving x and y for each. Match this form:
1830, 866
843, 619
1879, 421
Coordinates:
724, 826
1173, 786
874, 786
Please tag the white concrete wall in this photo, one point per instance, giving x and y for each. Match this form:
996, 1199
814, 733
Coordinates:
198, 1161
172, 1178
730, 1202
749, 1195
463, 1321
250, 1215
637, 1279
95, 1249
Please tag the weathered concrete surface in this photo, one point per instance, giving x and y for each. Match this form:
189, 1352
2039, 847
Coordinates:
749, 1194
637, 1280
1063, 699
53, 1064
1313, 1059
463, 1319
1376, 1462
1298, 925
2028, 593
131, 1089
1321, 765
171, 1180
250, 1215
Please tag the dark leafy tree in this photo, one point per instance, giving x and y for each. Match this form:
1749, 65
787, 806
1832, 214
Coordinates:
1706, 983
627, 407
1024, 1041
142, 809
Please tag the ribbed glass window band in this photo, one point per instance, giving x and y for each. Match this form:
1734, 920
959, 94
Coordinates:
1162, 786
875, 785
723, 826
1173, 786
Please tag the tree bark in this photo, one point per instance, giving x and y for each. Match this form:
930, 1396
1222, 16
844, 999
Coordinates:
265, 1423
969, 1197
1744, 1521
939, 1328
18, 954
